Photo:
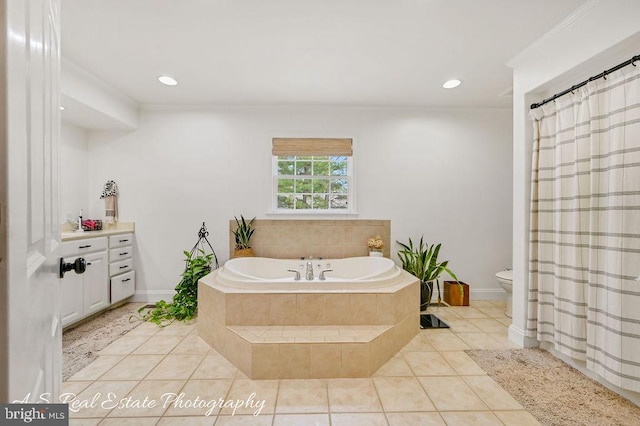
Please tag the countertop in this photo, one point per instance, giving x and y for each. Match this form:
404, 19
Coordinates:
109, 229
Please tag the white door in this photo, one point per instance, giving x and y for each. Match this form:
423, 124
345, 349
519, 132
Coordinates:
96, 284
31, 38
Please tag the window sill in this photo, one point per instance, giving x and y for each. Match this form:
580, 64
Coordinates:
309, 214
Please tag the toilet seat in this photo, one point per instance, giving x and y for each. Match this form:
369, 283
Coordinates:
505, 275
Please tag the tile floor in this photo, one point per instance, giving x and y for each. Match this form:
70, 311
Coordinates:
169, 376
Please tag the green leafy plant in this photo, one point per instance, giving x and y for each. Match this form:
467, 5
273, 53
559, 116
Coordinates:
243, 232
185, 301
422, 261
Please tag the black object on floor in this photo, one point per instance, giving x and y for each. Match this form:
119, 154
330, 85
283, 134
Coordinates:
431, 321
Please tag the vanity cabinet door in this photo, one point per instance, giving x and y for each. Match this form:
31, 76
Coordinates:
96, 288
71, 297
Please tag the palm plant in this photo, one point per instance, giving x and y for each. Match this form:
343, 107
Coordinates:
243, 233
422, 262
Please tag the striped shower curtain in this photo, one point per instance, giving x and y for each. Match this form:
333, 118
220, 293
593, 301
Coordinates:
584, 295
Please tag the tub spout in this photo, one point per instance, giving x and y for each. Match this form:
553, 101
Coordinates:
310, 269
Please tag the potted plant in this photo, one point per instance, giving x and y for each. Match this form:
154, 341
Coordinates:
243, 232
185, 302
422, 262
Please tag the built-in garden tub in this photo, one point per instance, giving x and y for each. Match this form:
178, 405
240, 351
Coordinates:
273, 326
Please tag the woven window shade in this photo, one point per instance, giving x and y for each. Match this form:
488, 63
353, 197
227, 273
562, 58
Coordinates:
312, 146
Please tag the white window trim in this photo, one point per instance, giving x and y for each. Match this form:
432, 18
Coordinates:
351, 197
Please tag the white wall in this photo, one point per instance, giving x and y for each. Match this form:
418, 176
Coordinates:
73, 177
442, 173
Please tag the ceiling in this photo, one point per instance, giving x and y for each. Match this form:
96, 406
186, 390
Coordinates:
307, 52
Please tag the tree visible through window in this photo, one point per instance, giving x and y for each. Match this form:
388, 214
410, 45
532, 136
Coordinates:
317, 182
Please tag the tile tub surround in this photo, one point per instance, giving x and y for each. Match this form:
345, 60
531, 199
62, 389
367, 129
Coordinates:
303, 334
331, 239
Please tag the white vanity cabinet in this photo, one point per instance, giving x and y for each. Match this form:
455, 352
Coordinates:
121, 273
84, 294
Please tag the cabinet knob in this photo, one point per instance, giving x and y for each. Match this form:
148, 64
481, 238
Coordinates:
79, 266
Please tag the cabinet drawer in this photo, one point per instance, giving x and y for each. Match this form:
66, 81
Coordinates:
120, 253
123, 286
120, 240
120, 267
78, 247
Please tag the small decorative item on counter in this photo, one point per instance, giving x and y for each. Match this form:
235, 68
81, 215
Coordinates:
243, 232
91, 225
110, 196
375, 245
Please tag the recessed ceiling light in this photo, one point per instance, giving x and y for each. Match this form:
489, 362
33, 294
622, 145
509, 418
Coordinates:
450, 84
169, 81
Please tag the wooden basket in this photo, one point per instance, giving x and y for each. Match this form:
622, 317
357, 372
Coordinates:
452, 294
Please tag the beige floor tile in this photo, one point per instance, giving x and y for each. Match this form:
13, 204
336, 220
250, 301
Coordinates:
158, 345
451, 394
463, 364
97, 368
178, 328
175, 367
74, 387
353, 395
475, 418
124, 345
417, 419
489, 325
215, 366
402, 394
359, 419
505, 320
301, 419
198, 398
493, 312
428, 364
492, 393
517, 418
84, 422
133, 367
95, 400
144, 329
468, 312
503, 340
187, 421
130, 421
245, 420
481, 304
302, 396
263, 402
448, 343
502, 303
395, 367
480, 341
420, 343
192, 344
147, 399
463, 326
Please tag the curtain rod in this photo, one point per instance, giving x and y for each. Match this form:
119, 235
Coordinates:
595, 77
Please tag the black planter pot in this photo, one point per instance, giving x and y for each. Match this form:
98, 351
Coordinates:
426, 291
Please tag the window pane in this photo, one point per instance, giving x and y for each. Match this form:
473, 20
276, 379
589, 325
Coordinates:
285, 201
285, 167
338, 201
339, 186
303, 201
285, 185
321, 201
320, 186
303, 185
320, 168
303, 168
339, 168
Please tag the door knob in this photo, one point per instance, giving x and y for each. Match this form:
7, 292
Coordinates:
79, 265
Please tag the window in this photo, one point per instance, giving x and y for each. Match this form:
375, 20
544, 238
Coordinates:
312, 175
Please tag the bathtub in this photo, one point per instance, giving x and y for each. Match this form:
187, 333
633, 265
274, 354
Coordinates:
266, 274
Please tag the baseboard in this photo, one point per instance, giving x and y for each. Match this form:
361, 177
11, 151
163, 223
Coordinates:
518, 337
487, 294
151, 296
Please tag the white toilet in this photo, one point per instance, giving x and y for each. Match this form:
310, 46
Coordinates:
505, 278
